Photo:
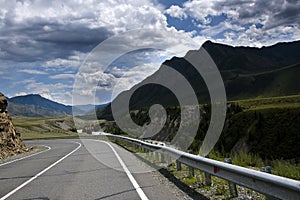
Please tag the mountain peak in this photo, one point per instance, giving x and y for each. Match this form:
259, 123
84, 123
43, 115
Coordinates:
34, 105
208, 42
30, 95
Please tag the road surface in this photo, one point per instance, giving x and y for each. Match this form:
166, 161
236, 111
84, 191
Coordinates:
69, 170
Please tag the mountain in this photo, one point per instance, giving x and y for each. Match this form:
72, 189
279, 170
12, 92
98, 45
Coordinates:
34, 105
89, 107
247, 72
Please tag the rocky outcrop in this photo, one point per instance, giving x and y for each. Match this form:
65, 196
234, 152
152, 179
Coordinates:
10, 140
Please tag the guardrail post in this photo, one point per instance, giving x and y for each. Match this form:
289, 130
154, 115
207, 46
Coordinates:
178, 165
128, 144
169, 160
147, 151
135, 146
232, 186
268, 170
207, 176
162, 157
150, 153
191, 171
156, 156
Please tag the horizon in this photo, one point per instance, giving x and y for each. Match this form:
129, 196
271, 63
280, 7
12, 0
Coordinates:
25, 95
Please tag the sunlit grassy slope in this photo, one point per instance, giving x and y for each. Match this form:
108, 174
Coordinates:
44, 127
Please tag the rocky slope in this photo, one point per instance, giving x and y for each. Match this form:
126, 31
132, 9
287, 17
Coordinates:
10, 140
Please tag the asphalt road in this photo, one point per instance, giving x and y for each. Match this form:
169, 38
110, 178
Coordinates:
82, 169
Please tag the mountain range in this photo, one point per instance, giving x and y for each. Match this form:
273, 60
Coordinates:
247, 72
34, 105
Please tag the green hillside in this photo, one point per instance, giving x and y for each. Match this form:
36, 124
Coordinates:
272, 83
44, 127
268, 127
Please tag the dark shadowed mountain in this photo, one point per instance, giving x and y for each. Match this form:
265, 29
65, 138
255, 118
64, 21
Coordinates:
247, 72
34, 105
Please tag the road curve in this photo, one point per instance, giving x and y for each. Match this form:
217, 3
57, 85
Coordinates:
69, 170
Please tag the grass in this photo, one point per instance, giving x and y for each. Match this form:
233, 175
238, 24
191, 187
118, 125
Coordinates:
31, 128
81, 123
247, 160
288, 169
270, 71
292, 101
37, 135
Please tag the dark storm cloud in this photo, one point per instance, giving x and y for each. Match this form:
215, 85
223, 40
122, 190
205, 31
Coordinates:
47, 30
258, 8
289, 15
42, 41
275, 12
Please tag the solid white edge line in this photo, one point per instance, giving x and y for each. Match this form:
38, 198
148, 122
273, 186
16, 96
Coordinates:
12, 161
39, 174
130, 176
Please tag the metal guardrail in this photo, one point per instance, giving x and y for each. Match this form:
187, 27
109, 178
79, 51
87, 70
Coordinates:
267, 184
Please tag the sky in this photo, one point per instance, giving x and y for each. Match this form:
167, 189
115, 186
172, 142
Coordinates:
45, 45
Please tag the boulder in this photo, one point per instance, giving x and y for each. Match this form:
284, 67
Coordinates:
3, 103
10, 140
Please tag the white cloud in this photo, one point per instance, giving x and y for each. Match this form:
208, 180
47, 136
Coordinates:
259, 37
93, 75
114, 15
280, 20
54, 91
176, 12
132, 77
196, 9
62, 76
223, 26
20, 94
72, 62
32, 71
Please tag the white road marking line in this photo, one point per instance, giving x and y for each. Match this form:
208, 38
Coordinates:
131, 178
39, 174
12, 161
